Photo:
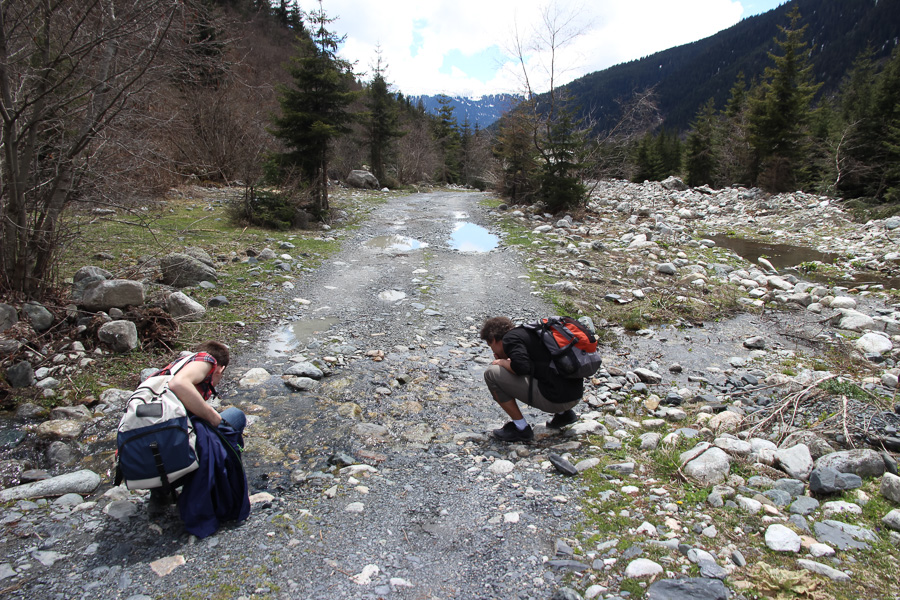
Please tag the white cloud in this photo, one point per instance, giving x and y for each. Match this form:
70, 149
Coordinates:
615, 31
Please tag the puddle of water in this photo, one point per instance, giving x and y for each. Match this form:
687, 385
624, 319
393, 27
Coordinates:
394, 243
781, 256
468, 237
297, 334
785, 257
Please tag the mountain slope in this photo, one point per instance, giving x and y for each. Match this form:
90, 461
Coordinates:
481, 111
687, 76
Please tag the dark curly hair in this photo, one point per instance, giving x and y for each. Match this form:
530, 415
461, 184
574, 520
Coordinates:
495, 328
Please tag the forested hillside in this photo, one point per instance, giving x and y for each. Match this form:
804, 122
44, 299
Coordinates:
684, 78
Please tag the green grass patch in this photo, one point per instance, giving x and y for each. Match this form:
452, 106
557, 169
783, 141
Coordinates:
841, 387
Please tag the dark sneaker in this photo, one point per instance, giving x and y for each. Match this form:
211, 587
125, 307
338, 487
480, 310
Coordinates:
511, 433
562, 419
158, 504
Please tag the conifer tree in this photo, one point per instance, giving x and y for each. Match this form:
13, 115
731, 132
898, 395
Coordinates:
780, 116
314, 108
514, 149
383, 121
446, 133
700, 154
732, 138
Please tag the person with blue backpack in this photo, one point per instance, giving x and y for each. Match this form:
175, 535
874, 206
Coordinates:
217, 490
523, 369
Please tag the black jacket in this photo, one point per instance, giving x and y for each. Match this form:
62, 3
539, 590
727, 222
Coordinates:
529, 356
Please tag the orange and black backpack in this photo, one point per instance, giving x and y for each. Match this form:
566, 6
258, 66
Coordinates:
572, 346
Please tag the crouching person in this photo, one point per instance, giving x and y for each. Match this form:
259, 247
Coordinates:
217, 490
521, 371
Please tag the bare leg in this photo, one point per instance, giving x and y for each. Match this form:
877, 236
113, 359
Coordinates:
511, 409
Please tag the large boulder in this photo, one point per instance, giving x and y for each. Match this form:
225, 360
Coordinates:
79, 482
863, 462
112, 293
706, 464
182, 270
184, 308
853, 320
84, 277
41, 318
120, 336
362, 179
674, 184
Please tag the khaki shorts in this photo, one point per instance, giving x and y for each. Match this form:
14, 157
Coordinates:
505, 386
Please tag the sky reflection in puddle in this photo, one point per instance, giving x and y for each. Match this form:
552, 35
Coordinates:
297, 334
468, 237
395, 243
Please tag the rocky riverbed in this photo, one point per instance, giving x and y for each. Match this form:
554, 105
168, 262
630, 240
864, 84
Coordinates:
740, 452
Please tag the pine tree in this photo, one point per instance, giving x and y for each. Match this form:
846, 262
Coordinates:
700, 154
514, 149
383, 121
314, 108
779, 117
562, 150
732, 139
446, 133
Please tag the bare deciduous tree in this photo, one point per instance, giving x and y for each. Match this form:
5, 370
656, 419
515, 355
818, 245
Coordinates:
67, 70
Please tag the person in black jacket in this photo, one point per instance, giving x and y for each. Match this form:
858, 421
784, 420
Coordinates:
521, 371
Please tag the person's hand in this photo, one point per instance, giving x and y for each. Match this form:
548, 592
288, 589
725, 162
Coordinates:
218, 420
503, 362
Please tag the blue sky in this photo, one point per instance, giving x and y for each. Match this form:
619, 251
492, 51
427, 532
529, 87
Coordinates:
465, 47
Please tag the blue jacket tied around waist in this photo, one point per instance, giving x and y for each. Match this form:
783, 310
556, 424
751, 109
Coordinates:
217, 491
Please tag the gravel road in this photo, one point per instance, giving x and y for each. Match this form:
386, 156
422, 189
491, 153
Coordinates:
380, 482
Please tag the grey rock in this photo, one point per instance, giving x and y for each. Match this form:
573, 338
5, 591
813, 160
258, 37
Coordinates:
120, 336
666, 269
305, 369
796, 462
825, 480
836, 538
41, 318
711, 570
184, 308
60, 453
112, 293
362, 179
781, 539
755, 343
20, 375
562, 465
565, 594
217, 301
892, 520
738, 559
818, 446
299, 383
854, 531
674, 184
79, 482
862, 462
201, 255
794, 487
693, 588
10, 438
121, 510
821, 569
779, 497
800, 523
804, 505
75, 413
181, 270
709, 467
8, 317
890, 487
648, 376
568, 565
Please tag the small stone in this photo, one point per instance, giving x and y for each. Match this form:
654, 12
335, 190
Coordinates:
890, 487
562, 465
781, 539
642, 567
